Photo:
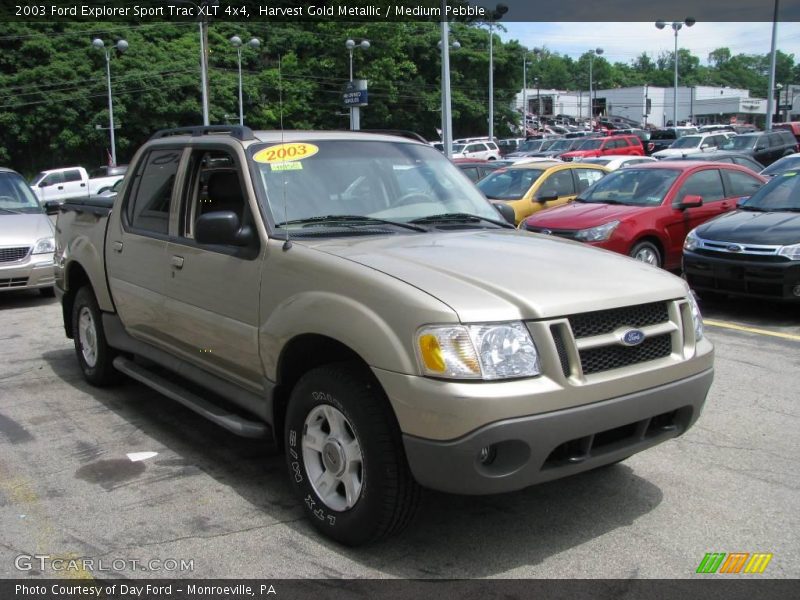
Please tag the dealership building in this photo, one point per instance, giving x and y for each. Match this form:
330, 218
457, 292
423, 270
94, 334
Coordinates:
654, 105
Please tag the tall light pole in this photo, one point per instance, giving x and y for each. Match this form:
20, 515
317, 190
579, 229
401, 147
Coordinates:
201, 22
254, 43
525, 94
121, 46
592, 53
768, 125
498, 13
355, 111
676, 26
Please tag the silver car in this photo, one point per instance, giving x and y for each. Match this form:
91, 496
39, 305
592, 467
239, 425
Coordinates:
26, 237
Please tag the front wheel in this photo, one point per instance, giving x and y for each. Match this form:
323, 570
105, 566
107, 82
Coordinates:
95, 356
646, 252
345, 456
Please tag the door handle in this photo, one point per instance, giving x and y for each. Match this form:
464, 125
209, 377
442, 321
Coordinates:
61, 187
116, 246
177, 262
83, 185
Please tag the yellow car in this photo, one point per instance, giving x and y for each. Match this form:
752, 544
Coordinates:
531, 187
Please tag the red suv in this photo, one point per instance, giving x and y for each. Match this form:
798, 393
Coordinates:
622, 145
645, 211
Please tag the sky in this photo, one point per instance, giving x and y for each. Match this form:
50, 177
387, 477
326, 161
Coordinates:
623, 42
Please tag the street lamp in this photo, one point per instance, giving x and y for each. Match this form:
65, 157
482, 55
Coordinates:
676, 26
236, 41
121, 46
355, 111
444, 46
498, 13
203, 59
592, 53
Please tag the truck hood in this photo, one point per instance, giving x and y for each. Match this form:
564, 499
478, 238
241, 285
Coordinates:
580, 215
497, 275
746, 227
24, 230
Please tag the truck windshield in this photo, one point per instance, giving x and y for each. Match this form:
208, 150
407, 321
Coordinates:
632, 186
396, 181
16, 196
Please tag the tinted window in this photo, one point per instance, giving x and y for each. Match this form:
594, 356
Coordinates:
663, 135
586, 177
707, 184
633, 186
72, 175
774, 139
785, 163
54, 178
741, 184
782, 193
559, 183
148, 206
741, 160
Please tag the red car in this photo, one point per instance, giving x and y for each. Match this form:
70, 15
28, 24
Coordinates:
645, 211
613, 144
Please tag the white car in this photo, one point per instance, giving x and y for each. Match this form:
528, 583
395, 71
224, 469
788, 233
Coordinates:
612, 162
478, 150
691, 144
523, 160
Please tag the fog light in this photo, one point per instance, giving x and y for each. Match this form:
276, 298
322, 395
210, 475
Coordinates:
487, 454
796, 290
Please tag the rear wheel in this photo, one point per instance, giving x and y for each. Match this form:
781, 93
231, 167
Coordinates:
95, 356
646, 252
345, 456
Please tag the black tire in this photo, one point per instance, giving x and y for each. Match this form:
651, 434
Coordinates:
643, 250
47, 292
388, 495
95, 356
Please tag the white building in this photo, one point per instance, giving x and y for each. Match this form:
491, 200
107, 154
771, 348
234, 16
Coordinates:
698, 104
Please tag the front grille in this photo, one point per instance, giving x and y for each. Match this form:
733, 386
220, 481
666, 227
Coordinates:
564, 233
561, 349
741, 257
14, 282
13, 254
604, 358
605, 321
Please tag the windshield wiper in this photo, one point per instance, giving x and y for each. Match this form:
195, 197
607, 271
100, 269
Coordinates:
11, 211
599, 201
752, 208
348, 219
460, 218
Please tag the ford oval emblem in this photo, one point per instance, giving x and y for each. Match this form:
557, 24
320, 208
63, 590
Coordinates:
633, 337
734, 248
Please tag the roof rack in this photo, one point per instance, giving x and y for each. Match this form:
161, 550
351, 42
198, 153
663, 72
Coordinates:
238, 131
398, 132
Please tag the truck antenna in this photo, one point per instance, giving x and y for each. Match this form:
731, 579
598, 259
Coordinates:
287, 242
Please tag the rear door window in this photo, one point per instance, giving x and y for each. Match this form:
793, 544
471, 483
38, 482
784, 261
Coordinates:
586, 177
740, 184
72, 175
148, 205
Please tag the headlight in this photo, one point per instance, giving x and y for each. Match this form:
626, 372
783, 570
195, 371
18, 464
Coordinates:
597, 234
791, 252
697, 318
691, 242
487, 351
44, 246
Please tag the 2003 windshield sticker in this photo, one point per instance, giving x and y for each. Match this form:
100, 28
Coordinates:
285, 157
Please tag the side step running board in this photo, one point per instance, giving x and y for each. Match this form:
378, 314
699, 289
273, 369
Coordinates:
232, 422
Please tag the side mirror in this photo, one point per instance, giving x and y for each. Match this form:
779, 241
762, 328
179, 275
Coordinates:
222, 228
546, 196
51, 207
691, 201
506, 211
43, 183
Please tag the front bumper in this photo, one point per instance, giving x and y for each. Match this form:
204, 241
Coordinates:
763, 277
33, 272
533, 449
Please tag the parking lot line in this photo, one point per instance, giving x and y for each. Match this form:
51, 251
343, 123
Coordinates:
725, 324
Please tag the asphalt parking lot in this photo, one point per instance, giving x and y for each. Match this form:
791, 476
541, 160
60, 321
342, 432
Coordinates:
69, 489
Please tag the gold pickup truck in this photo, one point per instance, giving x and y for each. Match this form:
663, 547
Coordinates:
353, 298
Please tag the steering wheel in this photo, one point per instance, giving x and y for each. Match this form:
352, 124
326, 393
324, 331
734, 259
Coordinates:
412, 198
